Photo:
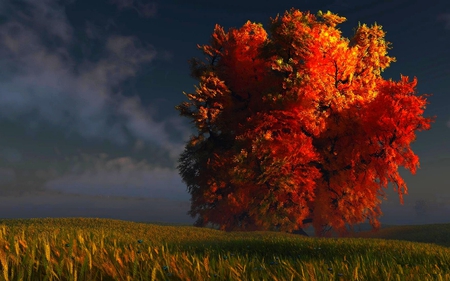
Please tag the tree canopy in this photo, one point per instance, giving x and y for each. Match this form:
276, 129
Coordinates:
299, 128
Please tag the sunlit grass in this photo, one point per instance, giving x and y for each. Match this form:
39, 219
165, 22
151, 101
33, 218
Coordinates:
102, 249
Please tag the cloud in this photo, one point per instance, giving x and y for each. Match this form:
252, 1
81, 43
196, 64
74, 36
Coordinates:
138, 145
445, 18
45, 83
144, 10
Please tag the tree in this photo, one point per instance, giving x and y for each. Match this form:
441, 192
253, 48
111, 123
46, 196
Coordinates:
299, 128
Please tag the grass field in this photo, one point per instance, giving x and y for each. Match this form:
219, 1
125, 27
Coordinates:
104, 249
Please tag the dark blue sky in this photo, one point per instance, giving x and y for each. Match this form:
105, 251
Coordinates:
88, 88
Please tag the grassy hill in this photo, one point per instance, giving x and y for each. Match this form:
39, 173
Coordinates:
105, 249
438, 234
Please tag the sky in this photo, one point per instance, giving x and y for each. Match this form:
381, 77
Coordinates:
88, 88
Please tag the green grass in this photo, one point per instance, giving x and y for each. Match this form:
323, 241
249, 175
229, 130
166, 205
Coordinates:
104, 249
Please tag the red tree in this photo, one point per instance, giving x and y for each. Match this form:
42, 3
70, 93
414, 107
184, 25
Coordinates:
299, 128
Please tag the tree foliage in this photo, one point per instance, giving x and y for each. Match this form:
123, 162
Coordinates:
298, 128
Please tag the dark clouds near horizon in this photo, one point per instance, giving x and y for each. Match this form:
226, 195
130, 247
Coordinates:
88, 89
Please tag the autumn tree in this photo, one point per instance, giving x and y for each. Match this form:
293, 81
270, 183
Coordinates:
299, 128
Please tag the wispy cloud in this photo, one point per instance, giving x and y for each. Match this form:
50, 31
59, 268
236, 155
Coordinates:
44, 82
80, 97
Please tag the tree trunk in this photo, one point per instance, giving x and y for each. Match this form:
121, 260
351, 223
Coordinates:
300, 231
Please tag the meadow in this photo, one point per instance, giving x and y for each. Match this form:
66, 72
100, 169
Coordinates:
106, 249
